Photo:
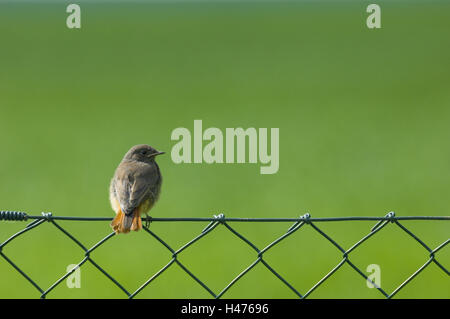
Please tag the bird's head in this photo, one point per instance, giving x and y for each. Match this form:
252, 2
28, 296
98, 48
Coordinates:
142, 153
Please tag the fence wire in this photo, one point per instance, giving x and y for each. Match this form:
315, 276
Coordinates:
214, 222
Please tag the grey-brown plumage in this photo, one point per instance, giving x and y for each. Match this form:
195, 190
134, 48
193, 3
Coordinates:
135, 187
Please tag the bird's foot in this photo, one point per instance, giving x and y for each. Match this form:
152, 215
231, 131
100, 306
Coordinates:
147, 221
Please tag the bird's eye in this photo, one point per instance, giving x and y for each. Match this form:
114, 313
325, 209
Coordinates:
144, 152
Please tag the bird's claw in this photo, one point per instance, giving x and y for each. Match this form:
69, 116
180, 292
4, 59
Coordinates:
147, 221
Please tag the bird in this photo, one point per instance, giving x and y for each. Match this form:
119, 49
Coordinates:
134, 188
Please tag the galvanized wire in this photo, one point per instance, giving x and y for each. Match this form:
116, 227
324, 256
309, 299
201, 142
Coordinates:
223, 221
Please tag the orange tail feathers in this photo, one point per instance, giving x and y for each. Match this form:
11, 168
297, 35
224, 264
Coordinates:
117, 221
121, 223
137, 222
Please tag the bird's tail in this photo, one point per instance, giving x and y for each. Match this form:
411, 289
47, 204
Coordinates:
136, 222
123, 223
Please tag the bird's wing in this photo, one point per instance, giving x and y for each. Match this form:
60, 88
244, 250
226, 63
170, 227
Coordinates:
132, 187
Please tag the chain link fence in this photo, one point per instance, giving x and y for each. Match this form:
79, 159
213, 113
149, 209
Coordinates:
220, 220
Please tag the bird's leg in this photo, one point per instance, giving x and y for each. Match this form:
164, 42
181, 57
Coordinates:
147, 221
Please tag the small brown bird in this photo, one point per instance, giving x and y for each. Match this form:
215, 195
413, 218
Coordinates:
134, 188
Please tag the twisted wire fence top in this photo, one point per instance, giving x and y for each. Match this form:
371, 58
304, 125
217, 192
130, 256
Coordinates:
215, 221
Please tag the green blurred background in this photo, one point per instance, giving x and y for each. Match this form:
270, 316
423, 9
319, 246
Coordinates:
364, 129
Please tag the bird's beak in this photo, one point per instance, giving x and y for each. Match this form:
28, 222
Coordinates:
158, 153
